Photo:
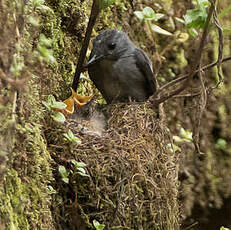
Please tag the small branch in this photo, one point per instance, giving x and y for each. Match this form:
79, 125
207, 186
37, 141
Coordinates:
200, 109
191, 226
185, 76
94, 14
188, 95
221, 44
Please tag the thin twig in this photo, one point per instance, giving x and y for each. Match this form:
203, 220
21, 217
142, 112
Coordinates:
191, 226
221, 42
185, 76
16, 27
188, 95
94, 14
200, 109
14, 105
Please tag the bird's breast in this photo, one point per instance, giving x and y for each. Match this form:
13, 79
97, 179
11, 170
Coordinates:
119, 79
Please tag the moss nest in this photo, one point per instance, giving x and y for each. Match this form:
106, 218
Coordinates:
133, 175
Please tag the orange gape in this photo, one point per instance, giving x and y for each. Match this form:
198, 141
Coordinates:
77, 99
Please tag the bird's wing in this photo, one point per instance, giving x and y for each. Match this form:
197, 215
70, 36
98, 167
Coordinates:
145, 66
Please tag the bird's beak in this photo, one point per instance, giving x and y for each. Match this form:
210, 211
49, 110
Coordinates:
94, 59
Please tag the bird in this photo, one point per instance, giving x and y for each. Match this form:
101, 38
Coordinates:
119, 69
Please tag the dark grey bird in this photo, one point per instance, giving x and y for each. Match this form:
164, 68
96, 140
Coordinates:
119, 69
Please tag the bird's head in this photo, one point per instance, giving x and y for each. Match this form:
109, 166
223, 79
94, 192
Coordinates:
110, 44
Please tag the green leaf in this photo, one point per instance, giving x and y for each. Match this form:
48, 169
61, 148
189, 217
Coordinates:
64, 174
66, 136
59, 117
177, 139
83, 174
158, 16
78, 164
75, 163
51, 189
223, 228
47, 105
159, 30
221, 144
62, 170
82, 170
179, 20
192, 32
173, 148
203, 3
70, 133
148, 12
139, 15
58, 105
186, 134
81, 164
176, 148
97, 225
76, 140
71, 137
51, 99
65, 180
196, 18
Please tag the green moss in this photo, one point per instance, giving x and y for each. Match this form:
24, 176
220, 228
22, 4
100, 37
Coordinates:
13, 202
25, 200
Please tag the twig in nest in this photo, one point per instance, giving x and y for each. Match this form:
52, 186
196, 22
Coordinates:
79, 68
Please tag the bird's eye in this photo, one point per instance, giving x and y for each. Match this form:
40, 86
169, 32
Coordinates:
111, 46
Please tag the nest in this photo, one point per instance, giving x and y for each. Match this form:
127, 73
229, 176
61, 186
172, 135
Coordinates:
133, 175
